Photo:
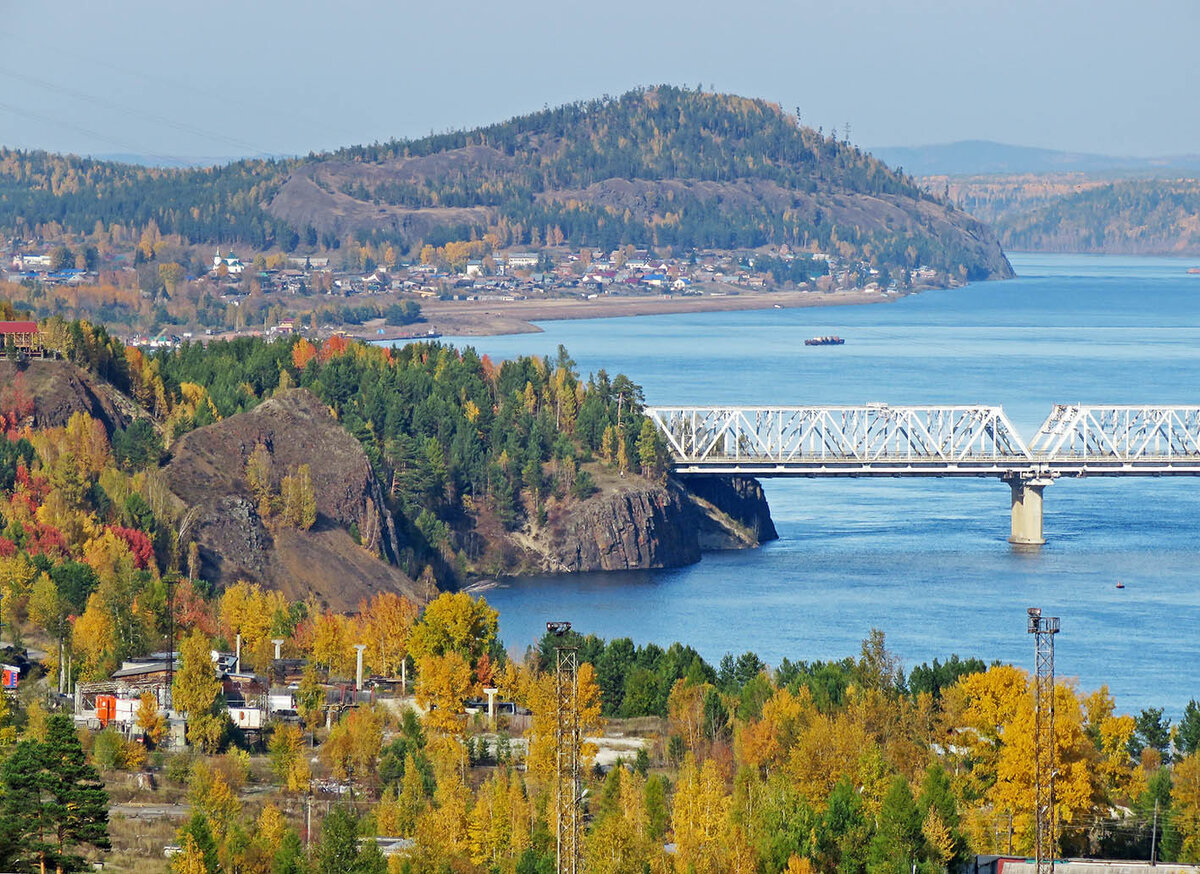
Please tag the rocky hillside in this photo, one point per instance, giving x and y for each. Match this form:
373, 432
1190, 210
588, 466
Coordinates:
662, 167
53, 391
1132, 217
207, 474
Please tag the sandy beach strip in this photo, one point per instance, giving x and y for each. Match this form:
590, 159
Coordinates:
475, 318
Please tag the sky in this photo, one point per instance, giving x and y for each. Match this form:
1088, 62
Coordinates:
178, 81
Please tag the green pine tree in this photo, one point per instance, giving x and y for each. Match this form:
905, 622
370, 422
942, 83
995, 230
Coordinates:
1187, 737
898, 843
53, 802
338, 851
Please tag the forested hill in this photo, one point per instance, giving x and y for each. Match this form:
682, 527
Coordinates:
1136, 217
657, 167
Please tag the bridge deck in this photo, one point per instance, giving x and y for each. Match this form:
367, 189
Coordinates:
878, 440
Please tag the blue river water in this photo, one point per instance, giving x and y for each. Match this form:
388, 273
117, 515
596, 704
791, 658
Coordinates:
925, 560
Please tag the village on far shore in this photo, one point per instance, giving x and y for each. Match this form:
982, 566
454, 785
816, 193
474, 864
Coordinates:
353, 295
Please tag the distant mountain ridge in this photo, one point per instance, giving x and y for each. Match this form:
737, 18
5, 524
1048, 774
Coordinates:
986, 157
662, 167
1128, 217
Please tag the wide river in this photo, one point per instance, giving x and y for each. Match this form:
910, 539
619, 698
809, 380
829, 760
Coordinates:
926, 560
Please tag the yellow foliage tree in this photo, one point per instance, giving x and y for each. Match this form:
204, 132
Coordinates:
190, 858
211, 795
685, 712
1185, 793
250, 610
442, 685
442, 830
150, 718
764, 743
1077, 788
455, 622
385, 623
196, 691
92, 640
825, 749
490, 829
541, 700
332, 643
352, 750
288, 760
699, 817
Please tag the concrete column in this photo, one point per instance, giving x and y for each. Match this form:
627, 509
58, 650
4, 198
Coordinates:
1027, 511
237, 665
278, 641
359, 678
491, 696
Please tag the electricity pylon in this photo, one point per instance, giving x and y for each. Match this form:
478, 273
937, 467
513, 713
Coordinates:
567, 748
1045, 760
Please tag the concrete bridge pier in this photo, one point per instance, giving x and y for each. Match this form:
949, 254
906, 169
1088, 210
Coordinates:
1027, 509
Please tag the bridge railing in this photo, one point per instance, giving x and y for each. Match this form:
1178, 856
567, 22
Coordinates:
863, 434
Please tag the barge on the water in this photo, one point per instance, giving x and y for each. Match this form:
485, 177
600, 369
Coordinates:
824, 341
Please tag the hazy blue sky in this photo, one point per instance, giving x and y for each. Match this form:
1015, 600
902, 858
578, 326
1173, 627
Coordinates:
224, 78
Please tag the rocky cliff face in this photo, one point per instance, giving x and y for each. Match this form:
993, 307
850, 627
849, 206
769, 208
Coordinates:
735, 499
630, 523
207, 474
642, 525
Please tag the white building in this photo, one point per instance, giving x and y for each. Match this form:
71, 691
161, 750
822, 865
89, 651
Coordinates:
231, 262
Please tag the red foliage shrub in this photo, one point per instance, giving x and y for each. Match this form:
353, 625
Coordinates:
139, 545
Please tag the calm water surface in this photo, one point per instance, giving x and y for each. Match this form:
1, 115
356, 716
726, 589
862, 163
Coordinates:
924, 560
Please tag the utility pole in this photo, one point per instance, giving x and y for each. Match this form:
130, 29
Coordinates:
566, 743
1044, 759
1154, 835
169, 693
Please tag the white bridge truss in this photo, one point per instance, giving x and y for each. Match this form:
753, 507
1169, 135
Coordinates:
883, 440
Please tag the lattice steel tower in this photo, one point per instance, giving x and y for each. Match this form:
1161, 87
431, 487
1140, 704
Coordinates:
1045, 760
567, 752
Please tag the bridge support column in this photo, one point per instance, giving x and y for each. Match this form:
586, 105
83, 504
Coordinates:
1027, 510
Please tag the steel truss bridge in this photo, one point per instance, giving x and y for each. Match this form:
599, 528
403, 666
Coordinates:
977, 441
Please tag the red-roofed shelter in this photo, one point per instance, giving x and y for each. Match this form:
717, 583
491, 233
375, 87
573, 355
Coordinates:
24, 336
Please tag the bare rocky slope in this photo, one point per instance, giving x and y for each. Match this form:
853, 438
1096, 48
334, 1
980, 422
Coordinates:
59, 389
207, 474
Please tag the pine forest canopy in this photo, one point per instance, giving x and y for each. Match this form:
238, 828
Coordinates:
663, 167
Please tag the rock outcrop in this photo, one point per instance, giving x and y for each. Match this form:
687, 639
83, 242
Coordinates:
207, 474
643, 525
736, 499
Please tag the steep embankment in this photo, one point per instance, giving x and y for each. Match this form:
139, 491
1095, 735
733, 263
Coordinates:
207, 473
53, 391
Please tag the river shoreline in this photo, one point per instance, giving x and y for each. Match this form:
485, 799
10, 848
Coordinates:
480, 318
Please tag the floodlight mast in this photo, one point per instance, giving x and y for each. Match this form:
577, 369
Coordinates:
1044, 759
567, 751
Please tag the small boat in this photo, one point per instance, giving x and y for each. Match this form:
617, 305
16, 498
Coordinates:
1120, 585
824, 341
1194, 270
